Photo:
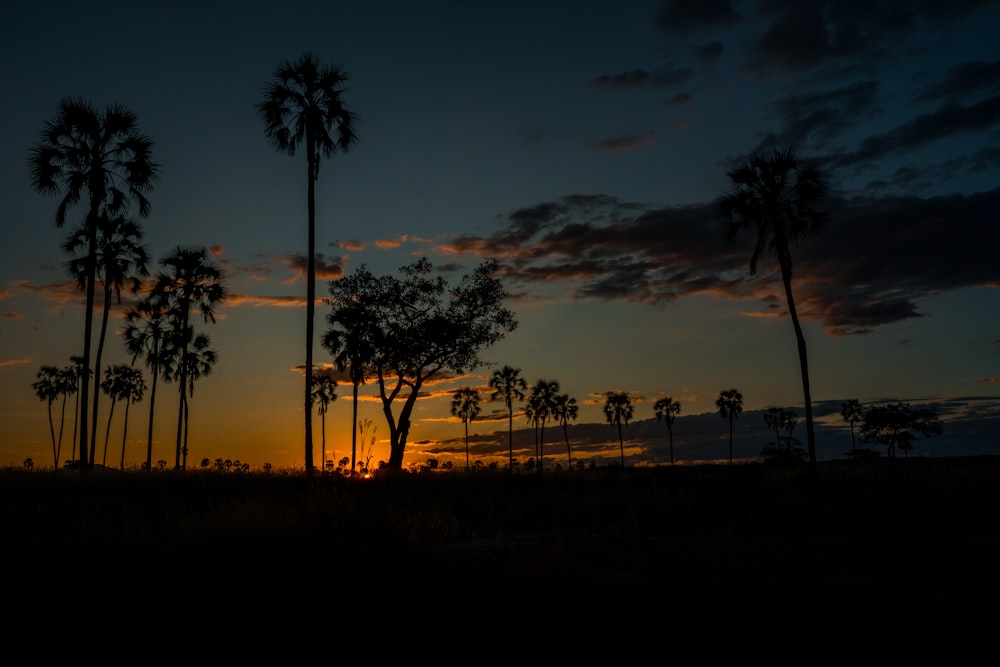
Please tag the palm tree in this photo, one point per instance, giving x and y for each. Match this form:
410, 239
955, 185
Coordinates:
667, 409
324, 392
349, 341
618, 410
564, 410
304, 104
47, 388
76, 369
543, 399
121, 383
465, 406
147, 325
508, 384
775, 195
103, 156
192, 281
69, 383
852, 411
120, 260
730, 404
188, 358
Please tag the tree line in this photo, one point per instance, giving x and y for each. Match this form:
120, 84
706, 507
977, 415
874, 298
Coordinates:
396, 331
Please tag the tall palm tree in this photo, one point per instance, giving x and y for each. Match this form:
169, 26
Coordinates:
852, 411
188, 358
192, 282
508, 384
69, 384
618, 410
564, 410
730, 404
543, 399
47, 389
100, 155
667, 409
304, 104
776, 196
465, 406
121, 259
324, 393
147, 325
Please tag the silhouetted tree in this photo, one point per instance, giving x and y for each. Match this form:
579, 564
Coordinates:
188, 358
350, 340
130, 386
104, 157
543, 399
146, 326
191, 281
304, 105
507, 384
775, 195
47, 388
898, 424
422, 327
618, 410
324, 392
465, 406
667, 409
75, 371
785, 448
730, 404
564, 410
852, 412
121, 259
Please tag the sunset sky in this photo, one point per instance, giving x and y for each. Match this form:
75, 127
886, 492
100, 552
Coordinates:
581, 144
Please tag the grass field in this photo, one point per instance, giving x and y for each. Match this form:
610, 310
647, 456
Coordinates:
864, 544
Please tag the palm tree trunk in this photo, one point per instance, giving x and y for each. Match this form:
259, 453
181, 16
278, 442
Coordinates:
180, 426
569, 454
803, 365
510, 431
466, 445
85, 460
62, 423
125, 432
76, 418
97, 368
310, 293
621, 443
354, 428
149, 431
52, 434
541, 446
670, 432
107, 433
730, 439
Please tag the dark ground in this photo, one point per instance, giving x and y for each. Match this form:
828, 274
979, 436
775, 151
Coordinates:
733, 556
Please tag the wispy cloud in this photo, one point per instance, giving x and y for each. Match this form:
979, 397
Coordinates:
627, 143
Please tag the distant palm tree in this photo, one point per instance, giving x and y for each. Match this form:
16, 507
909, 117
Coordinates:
69, 384
324, 392
147, 326
775, 195
543, 399
47, 388
349, 341
76, 369
465, 406
667, 409
121, 259
103, 157
114, 385
618, 410
192, 281
189, 358
852, 411
305, 104
730, 404
508, 384
564, 410
130, 386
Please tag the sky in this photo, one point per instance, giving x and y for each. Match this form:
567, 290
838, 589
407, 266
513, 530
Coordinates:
583, 145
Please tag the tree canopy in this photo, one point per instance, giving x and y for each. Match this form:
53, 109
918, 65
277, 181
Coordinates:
418, 327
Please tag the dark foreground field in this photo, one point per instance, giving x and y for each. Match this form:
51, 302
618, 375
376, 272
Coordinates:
639, 554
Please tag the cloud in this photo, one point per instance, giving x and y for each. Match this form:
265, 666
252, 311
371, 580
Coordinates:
989, 381
325, 270
872, 266
963, 80
664, 76
14, 362
678, 17
621, 144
